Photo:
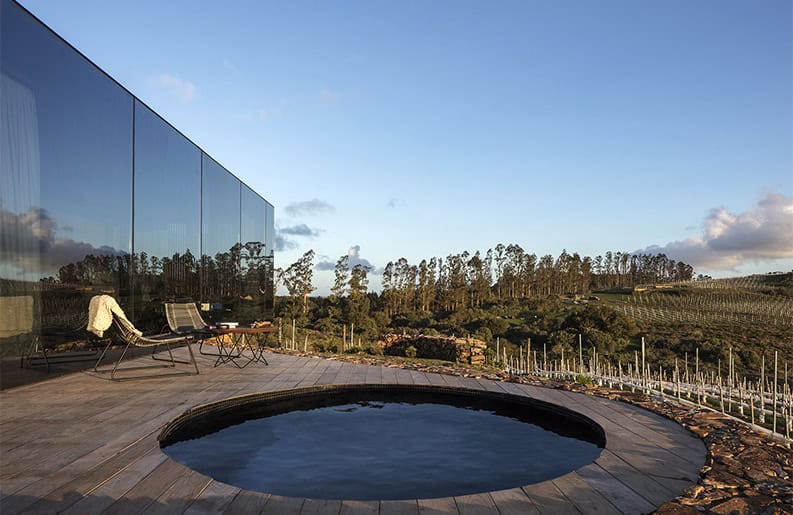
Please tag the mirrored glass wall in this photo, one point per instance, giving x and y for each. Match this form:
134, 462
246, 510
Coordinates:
98, 194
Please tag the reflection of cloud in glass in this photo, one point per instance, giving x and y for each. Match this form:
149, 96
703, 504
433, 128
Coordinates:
19, 180
28, 243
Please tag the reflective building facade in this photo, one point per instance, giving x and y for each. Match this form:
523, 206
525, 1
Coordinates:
98, 194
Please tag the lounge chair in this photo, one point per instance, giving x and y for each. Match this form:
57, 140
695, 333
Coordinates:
184, 319
132, 337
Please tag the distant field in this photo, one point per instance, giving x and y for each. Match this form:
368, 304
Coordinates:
753, 315
746, 300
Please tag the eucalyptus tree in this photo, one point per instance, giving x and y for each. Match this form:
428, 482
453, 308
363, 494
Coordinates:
545, 274
425, 284
298, 279
336, 299
357, 298
478, 278
389, 292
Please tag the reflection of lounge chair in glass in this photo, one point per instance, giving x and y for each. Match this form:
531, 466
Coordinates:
62, 337
104, 309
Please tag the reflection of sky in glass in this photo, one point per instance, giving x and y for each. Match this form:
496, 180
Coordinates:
252, 216
221, 208
79, 123
270, 227
167, 188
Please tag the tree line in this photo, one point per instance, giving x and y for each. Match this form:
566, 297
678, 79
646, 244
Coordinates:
468, 280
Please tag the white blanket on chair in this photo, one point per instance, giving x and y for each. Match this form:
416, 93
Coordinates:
100, 314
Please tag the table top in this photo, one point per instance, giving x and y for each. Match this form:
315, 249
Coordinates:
242, 330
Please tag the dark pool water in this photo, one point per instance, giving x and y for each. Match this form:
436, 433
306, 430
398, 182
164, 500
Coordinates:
382, 449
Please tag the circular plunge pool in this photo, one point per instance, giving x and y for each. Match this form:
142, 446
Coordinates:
381, 441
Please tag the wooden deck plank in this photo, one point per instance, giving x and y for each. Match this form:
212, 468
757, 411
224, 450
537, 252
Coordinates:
389, 375
359, 508
247, 503
404, 376
72, 491
490, 386
180, 495
586, 499
320, 507
547, 497
113, 489
618, 494
213, 499
419, 377
399, 507
472, 383
452, 381
374, 374
514, 502
280, 505
145, 493
476, 504
439, 506
642, 483
436, 379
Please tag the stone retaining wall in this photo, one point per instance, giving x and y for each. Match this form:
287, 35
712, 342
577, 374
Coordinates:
448, 348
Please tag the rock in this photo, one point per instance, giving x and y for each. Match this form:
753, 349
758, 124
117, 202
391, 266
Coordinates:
739, 506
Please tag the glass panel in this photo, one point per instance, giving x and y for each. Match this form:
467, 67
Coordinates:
269, 263
220, 244
167, 233
65, 186
252, 256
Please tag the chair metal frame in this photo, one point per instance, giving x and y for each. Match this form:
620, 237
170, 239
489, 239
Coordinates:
126, 332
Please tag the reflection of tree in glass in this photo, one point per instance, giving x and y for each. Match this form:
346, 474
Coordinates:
241, 280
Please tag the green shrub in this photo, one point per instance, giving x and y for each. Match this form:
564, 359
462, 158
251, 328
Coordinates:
490, 354
410, 352
580, 378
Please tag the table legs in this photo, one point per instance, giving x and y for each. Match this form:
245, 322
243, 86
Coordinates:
240, 343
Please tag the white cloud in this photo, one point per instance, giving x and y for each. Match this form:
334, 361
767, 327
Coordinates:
728, 240
300, 230
309, 208
353, 258
181, 89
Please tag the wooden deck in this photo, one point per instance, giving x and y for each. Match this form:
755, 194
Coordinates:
82, 444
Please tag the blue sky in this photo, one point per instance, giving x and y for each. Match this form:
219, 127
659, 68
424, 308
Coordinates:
419, 129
